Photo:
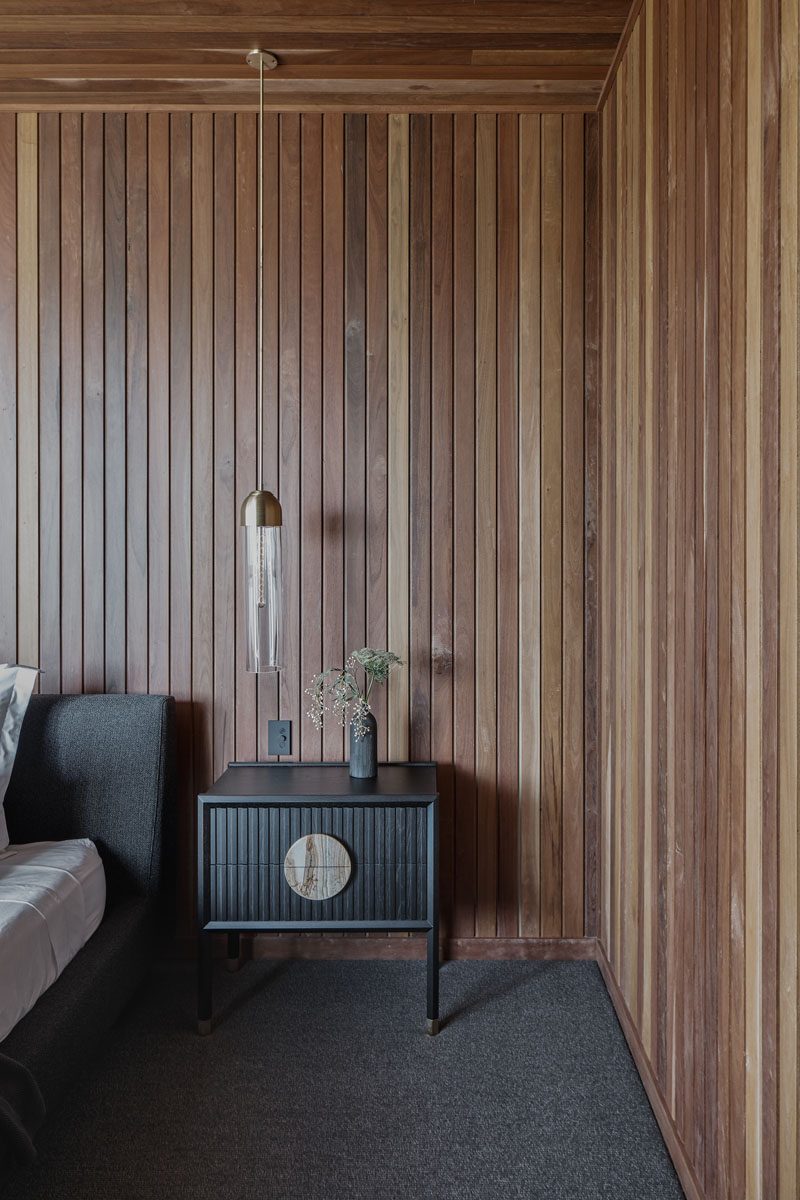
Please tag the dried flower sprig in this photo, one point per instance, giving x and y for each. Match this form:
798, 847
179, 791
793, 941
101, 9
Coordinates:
337, 691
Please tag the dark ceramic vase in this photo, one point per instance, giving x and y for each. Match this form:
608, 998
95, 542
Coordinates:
364, 750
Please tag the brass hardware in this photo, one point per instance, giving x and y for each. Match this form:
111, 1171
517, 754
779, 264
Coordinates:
258, 58
261, 509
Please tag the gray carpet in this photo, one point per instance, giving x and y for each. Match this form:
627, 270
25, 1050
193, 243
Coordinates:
319, 1082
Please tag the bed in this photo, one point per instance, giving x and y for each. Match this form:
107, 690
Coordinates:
92, 771
52, 899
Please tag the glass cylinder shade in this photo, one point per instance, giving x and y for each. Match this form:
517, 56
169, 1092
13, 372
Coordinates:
263, 598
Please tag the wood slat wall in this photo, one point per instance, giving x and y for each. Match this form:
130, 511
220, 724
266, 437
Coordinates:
424, 431
699, 578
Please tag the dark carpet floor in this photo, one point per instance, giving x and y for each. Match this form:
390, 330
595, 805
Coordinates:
319, 1082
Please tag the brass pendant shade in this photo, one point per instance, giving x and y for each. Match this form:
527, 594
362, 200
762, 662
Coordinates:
262, 509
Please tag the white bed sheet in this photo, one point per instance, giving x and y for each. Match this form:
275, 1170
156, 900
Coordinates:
52, 899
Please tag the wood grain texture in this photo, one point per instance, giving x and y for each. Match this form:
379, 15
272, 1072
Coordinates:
8, 380
27, 405
377, 387
398, 435
507, 568
72, 409
419, 448
425, 299
225, 500
442, 494
464, 506
486, 665
136, 466
311, 268
530, 523
507, 56
49, 386
552, 371
699, 581
788, 1167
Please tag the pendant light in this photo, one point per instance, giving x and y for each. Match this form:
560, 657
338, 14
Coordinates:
261, 516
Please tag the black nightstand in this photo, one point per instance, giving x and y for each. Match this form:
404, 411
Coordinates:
367, 848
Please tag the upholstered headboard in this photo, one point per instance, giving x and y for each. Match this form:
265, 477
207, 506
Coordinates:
100, 767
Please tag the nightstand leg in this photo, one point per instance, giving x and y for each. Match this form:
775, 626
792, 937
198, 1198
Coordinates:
433, 981
234, 951
204, 967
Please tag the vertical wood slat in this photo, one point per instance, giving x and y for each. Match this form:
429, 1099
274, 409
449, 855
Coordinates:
572, 540
71, 407
442, 510
530, 525
49, 400
268, 684
725, 1071
404, 344
202, 443
225, 509
551, 367
398, 433
289, 402
419, 424
507, 564
93, 368
753, 661
8, 382
355, 393
333, 412
464, 681
311, 533
114, 335
486, 521
770, 588
376, 399
788, 1099
591, 742
180, 469
246, 714
158, 198
136, 416
27, 308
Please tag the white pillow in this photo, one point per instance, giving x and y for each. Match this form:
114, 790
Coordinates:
16, 685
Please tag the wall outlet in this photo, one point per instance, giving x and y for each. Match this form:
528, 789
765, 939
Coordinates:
279, 737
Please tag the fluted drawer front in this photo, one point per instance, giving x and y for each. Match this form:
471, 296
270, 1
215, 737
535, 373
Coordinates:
387, 848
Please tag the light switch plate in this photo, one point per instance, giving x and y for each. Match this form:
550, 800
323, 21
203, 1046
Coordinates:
279, 737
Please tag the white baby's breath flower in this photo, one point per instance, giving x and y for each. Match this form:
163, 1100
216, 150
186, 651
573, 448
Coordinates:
338, 692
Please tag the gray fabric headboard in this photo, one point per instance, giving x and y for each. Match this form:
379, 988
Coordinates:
100, 767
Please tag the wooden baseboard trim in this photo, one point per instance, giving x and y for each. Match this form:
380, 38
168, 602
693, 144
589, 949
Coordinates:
677, 1152
413, 947
511, 949
398, 949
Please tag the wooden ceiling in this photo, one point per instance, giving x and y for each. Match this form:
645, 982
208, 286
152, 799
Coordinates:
348, 55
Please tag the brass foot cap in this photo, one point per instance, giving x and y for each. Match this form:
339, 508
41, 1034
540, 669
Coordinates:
203, 1028
433, 1027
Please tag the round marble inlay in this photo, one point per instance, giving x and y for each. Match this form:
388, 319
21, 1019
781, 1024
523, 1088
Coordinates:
317, 866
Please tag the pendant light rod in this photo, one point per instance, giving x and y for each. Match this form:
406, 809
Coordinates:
260, 59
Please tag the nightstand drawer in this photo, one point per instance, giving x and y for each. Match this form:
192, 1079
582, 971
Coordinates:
386, 845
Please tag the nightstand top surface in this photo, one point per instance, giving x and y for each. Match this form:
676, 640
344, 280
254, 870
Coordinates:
267, 781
